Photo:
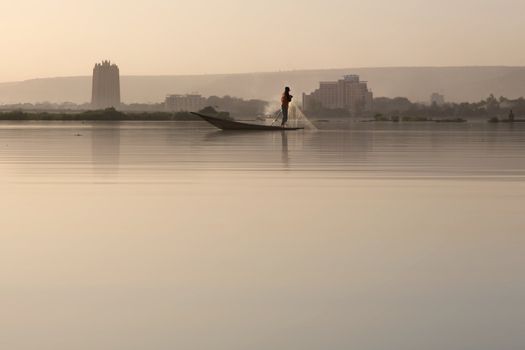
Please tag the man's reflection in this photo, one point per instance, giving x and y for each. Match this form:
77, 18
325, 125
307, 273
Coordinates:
285, 158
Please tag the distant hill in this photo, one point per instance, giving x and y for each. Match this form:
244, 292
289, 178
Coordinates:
456, 83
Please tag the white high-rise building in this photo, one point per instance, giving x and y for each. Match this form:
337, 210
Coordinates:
349, 93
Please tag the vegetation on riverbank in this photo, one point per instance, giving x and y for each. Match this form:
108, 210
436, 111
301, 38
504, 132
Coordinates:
384, 110
484, 109
109, 114
237, 107
402, 109
505, 120
396, 119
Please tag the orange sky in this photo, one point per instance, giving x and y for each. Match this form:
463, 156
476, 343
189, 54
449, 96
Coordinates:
62, 38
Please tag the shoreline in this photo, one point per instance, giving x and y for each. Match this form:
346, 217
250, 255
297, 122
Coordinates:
97, 115
116, 116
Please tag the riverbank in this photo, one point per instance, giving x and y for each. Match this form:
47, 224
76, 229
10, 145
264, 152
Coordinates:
99, 115
396, 119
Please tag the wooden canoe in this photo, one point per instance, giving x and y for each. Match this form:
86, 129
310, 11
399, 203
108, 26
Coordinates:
234, 125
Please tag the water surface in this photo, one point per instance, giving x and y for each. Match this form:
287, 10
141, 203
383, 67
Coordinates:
175, 235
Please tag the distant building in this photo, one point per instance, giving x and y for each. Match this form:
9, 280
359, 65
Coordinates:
437, 99
106, 86
349, 93
186, 103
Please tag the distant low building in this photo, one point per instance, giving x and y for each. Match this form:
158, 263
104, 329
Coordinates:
184, 103
437, 99
106, 86
349, 93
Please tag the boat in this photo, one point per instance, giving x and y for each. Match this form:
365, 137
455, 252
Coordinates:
225, 124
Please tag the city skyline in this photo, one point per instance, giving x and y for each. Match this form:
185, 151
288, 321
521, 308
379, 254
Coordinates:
276, 36
458, 84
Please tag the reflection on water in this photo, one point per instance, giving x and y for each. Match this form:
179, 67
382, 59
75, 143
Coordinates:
285, 157
158, 149
175, 235
105, 148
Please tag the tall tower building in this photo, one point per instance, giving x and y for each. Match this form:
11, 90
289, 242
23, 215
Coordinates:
106, 86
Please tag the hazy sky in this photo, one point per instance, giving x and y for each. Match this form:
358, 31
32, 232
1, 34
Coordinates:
42, 38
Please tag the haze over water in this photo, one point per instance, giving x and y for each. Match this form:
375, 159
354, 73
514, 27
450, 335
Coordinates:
178, 236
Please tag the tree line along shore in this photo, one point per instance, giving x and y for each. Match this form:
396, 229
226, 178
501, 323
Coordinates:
384, 109
398, 109
109, 114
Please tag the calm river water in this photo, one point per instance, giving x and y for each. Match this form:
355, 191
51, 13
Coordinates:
177, 236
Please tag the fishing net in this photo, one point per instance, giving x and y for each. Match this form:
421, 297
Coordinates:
296, 118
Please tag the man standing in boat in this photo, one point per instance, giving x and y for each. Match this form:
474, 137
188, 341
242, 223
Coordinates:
286, 98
